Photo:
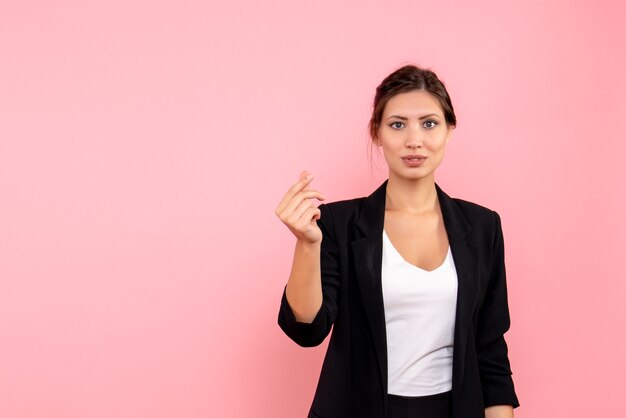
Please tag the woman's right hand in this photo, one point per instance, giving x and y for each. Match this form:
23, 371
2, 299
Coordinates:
297, 211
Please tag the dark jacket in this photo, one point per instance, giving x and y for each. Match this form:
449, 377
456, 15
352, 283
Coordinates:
353, 380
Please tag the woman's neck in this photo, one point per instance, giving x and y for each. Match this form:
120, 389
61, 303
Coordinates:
414, 196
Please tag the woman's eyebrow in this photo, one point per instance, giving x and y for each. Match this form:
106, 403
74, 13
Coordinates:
405, 118
429, 115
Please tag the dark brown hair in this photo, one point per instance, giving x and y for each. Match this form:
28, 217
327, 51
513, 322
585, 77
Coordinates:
405, 79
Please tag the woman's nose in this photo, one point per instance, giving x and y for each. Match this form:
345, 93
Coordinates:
415, 138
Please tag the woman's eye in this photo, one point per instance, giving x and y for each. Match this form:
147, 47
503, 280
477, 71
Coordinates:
396, 125
430, 123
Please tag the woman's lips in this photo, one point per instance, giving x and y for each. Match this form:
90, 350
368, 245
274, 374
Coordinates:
413, 161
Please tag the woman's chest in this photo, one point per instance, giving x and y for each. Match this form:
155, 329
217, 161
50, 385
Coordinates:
420, 240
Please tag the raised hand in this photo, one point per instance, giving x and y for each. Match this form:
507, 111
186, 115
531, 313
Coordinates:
298, 212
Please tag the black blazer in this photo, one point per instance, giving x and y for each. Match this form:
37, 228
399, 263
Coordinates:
353, 379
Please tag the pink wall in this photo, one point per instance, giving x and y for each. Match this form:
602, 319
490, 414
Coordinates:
145, 145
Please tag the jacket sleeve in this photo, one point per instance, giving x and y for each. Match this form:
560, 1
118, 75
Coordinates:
493, 322
312, 334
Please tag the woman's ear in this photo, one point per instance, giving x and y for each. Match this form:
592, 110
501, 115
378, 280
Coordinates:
449, 134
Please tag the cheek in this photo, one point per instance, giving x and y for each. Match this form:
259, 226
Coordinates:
439, 141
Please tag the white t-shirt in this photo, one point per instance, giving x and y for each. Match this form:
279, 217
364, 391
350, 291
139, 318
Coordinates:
420, 308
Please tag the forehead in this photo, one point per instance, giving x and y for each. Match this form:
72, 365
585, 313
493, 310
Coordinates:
413, 102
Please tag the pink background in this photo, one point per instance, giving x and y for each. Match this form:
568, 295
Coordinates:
145, 145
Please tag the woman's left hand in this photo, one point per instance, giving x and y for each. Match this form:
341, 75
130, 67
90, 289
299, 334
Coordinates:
499, 411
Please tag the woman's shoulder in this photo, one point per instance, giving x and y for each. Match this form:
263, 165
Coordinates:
340, 215
473, 208
479, 217
341, 211
345, 205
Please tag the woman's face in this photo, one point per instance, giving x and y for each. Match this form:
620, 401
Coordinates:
413, 123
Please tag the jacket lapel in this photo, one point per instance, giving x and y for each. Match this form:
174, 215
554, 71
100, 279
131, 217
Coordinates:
367, 255
466, 257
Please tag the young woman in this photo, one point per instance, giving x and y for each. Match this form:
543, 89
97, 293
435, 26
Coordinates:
411, 281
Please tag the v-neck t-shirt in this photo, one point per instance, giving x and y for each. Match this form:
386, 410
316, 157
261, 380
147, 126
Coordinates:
420, 309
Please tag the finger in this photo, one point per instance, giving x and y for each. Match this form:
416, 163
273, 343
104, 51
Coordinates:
293, 219
296, 200
300, 197
288, 205
304, 223
295, 188
303, 176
